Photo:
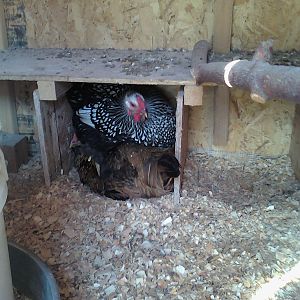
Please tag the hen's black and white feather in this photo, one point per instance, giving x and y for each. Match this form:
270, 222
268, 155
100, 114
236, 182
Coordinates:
100, 113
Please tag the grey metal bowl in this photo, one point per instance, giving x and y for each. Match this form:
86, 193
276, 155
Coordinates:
31, 276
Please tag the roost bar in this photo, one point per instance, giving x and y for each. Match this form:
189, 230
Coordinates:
55, 69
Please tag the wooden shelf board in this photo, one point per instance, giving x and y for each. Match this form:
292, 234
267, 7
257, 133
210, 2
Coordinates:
161, 67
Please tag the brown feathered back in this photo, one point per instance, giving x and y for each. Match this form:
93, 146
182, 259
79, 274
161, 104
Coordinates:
131, 171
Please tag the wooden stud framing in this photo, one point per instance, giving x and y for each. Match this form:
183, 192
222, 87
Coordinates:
181, 141
221, 115
64, 127
222, 25
221, 44
54, 128
8, 114
3, 35
44, 115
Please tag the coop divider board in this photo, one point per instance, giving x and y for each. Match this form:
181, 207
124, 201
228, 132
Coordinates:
221, 44
181, 143
64, 127
44, 112
8, 114
53, 123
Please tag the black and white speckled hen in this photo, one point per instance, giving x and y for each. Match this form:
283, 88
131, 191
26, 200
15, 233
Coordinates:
134, 171
108, 114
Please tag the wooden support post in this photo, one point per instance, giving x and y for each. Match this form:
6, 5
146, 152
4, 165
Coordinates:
54, 122
181, 141
221, 44
3, 34
221, 116
64, 127
8, 114
44, 119
295, 143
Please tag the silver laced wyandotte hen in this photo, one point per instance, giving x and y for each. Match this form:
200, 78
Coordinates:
122, 113
134, 171
105, 115
124, 139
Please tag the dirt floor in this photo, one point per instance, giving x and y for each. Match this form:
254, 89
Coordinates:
235, 235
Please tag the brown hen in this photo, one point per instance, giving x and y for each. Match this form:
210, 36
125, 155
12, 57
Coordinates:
131, 171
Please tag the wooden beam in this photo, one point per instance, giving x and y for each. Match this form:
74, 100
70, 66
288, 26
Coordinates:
222, 25
8, 115
181, 144
44, 111
221, 113
51, 90
221, 44
54, 123
3, 34
64, 127
295, 143
193, 95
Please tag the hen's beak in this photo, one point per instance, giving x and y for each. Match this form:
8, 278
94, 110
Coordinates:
144, 116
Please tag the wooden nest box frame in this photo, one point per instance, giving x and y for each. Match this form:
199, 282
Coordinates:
54, 70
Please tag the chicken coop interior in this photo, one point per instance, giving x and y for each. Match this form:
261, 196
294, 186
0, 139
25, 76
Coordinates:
197, 196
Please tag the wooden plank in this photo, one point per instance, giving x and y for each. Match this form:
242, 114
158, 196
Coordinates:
8, 115
54, 123
48, 137
65, 128
181, 144
51, 90
44, 139
97, 65
222, 25
221, 44
3, 34
221, 115
193, 95
295, 143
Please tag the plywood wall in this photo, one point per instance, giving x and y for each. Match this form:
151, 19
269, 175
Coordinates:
140, 24
254, 21
254, 128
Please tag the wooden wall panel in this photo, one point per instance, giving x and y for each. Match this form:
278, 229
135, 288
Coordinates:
120, 24
254, 21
